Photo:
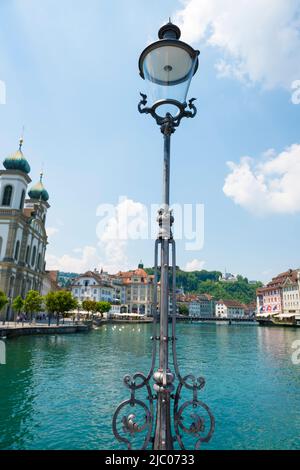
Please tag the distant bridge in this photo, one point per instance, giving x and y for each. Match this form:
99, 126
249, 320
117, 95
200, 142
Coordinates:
215, 319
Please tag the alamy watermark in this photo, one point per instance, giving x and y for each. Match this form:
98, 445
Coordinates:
296, 93
130, 220
2, 92
2, 352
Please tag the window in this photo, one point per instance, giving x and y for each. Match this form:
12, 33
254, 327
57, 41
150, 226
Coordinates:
1, 243
33, 256
27, 255
17, 250
7, 195
22, 199
39, 261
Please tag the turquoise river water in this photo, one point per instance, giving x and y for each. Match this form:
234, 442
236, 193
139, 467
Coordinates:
59, 392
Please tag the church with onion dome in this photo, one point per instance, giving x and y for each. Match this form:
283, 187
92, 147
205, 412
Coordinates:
23, 238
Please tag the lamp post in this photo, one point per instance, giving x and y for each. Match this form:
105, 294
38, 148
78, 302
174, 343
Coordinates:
168, 65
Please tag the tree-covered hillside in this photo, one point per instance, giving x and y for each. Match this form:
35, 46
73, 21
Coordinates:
65, 279
207, 282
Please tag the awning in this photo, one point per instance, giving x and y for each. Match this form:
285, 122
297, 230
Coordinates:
287, 315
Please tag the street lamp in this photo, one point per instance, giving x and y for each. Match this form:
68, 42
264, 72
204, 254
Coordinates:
168, 65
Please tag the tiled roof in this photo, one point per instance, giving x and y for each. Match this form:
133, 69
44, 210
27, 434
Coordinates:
279, 280
231, 303
128, 275
193, 297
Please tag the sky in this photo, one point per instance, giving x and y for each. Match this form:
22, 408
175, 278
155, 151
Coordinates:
70, 76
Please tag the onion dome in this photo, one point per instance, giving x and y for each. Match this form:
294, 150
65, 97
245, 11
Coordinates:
17, 161
38, 191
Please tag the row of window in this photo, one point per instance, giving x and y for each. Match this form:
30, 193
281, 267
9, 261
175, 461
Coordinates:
291, 304
27, 256
291, 296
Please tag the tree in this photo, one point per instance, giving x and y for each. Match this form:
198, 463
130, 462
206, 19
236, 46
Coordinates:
183, 310
33, 303
103, 307
18, 305
51, 305
75, 307
3, 302
65, 303
88, 305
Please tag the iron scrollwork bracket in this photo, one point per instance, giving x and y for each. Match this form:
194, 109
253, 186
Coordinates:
131, 424
202, 422
168, 123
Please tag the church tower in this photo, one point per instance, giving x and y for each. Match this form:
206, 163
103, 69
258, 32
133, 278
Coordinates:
23, 237
14, 181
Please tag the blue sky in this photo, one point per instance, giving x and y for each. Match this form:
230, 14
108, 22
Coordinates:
70, 69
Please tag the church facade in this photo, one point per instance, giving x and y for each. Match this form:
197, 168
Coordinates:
23, 237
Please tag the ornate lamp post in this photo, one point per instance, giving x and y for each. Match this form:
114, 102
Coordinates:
169, 65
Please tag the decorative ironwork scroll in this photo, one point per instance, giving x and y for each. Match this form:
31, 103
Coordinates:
131, 425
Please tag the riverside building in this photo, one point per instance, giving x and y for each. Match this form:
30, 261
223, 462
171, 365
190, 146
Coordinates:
229, 309
96, 286
139, 290
202, 307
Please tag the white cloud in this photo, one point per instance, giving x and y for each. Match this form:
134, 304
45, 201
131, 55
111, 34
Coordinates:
194, 265
126, 221
51, 231
87, 260
266, 186
259, 39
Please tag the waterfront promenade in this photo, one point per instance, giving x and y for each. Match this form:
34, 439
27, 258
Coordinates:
13, 330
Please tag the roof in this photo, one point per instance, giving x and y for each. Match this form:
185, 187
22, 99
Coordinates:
38, 191
139, 272
97, 277
231, 303
278, 281
194, 297
17, 161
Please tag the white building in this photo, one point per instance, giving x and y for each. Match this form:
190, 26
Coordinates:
93, 286
139, 290
228, 277
291, 294
23, 237
229, 309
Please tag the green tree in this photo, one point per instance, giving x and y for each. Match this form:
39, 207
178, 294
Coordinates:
33, 303
75, 307
51, 305
65, 303
103, 307
183, 310
88, 306
3, 302
18, 305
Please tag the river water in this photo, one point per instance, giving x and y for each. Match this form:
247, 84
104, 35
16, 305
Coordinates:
59, 392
